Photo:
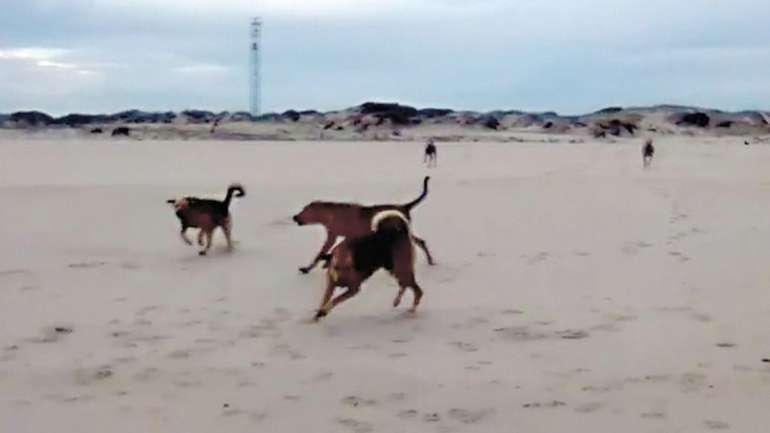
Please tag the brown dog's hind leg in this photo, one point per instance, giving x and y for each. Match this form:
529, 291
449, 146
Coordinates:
321, 254
409, 281
228, 229
201, 238
417, 290
424, 247
397, 301
209, 236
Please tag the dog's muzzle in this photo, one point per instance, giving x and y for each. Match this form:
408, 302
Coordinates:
297, 220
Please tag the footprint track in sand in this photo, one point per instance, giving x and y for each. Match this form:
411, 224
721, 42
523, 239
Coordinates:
87, 265
51, 334
466, 416
355, 401
14, 272
356, 426
553, 404
716, 425
536, 258
464, 346
85, 376
590, 407
693, 382
524, 334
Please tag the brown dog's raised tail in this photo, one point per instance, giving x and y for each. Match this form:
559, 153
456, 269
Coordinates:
415, 202
234, 188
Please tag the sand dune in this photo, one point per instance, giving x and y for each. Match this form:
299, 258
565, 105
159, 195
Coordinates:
574, 290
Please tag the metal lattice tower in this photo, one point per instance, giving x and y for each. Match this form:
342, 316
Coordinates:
255, 73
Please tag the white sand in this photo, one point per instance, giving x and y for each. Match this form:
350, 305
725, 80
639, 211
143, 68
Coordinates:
575, 292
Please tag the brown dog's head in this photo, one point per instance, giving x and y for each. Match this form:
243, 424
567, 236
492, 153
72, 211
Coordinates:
179, 203
313, 213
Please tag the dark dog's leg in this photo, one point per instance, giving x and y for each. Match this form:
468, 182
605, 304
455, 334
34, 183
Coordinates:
401, 290
201, 238
321, 254
424, 247
209, 236
228, 229
325, 300
406, 279
183, 233
417, 290
349, 293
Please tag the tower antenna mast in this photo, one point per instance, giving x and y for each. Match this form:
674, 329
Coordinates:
255, 67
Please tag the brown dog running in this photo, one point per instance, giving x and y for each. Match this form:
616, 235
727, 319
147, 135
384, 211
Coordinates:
387, 246
206, 215
351, 220
648, 151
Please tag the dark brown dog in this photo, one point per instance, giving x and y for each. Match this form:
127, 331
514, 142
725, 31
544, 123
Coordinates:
431, 154
352, 220
206, 215
387, 246
648, 151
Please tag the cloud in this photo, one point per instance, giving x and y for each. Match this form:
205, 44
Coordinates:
202, 69
43, 58
31, 53
58, 65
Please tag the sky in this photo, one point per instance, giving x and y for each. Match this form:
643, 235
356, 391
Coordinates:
570, 56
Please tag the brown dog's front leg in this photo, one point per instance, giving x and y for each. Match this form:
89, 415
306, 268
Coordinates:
183, 234
321, 254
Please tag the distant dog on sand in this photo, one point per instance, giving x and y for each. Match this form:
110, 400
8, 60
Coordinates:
388, 246
207, 215
431, 154
647, 152
352, 220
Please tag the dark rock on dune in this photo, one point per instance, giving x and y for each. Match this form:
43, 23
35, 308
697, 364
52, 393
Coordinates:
698, 119
292, 115
121, 130
609, 110
614, 127
199, 116
548, 125
138, 116
97, 131
329, 125
725, 124
31, 118
491, 122
430, 113
75, 120
397, 114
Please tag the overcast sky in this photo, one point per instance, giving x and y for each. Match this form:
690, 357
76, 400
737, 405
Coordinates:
571, 56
